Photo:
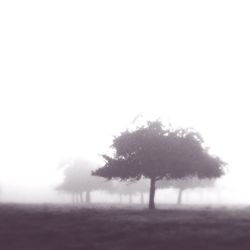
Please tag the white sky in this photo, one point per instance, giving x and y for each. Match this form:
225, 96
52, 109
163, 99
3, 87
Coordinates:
74, 73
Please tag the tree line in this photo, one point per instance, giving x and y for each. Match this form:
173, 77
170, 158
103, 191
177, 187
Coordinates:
166, 157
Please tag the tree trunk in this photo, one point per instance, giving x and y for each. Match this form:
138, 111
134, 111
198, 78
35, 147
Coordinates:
74, 198
179, 201
81, 198
77, 198
142, 198
151, 204
130, 198
88, 198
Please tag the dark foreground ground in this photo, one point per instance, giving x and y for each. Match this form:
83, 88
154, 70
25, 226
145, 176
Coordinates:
47, 227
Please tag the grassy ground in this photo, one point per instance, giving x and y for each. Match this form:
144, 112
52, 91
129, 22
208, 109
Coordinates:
47, 227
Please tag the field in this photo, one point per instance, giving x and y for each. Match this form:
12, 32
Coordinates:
52, 227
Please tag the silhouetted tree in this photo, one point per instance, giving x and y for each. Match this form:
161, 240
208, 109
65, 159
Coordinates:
156, 153
78, 180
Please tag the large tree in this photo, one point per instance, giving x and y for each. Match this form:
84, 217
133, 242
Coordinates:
155, 153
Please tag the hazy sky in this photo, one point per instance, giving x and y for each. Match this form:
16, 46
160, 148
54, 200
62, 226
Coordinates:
74, 73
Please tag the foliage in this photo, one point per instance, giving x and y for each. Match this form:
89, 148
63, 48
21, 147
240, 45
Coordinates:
155, 152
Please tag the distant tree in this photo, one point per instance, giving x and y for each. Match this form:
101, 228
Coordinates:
141, 186
123, 189
130, 188
155, 153
78, 180
186, 183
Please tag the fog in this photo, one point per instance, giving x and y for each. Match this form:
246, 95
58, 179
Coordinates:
75, 74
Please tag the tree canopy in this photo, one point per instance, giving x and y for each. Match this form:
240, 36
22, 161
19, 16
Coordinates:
155, 152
